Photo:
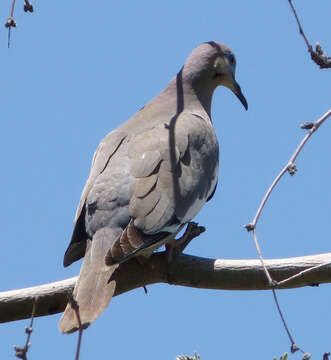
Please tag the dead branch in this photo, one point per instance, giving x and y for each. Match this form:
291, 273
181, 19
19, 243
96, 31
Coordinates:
318, 56
291, 169
184, 270
11, 21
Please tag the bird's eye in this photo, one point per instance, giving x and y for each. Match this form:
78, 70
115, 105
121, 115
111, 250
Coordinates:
231, 59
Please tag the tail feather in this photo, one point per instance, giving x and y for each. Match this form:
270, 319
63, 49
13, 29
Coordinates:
93, 291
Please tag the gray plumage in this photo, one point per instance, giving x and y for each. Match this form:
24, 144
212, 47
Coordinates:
148, 178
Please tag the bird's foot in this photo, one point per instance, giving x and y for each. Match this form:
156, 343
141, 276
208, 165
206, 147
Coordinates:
175, 247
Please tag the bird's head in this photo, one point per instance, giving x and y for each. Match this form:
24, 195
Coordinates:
214, 64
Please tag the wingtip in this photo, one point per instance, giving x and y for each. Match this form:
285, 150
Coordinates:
70, 329
68, 323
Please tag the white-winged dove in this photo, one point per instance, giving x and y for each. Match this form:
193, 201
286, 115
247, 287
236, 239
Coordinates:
149, 177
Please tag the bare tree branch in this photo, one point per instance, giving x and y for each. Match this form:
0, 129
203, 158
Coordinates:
20, 352
291, 169
184, 270
318, 56
11, 21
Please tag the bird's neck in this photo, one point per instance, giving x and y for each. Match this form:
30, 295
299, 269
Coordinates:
190, 96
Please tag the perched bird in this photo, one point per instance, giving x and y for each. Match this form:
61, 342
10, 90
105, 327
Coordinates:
149, 178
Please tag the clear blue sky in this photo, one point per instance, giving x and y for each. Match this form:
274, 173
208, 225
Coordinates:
77, 70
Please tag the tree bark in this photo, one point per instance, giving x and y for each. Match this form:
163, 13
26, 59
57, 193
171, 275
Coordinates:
184, 270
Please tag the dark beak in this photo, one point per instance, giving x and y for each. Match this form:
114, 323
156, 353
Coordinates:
237, 91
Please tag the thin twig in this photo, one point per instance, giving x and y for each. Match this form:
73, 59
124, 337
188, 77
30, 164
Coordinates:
290, 167
300, 27
79, 342
20, 352
269, 278
294, 347
283, 320
266, 197
12, 8
301, 273
75, 307
317, 56
10, 21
